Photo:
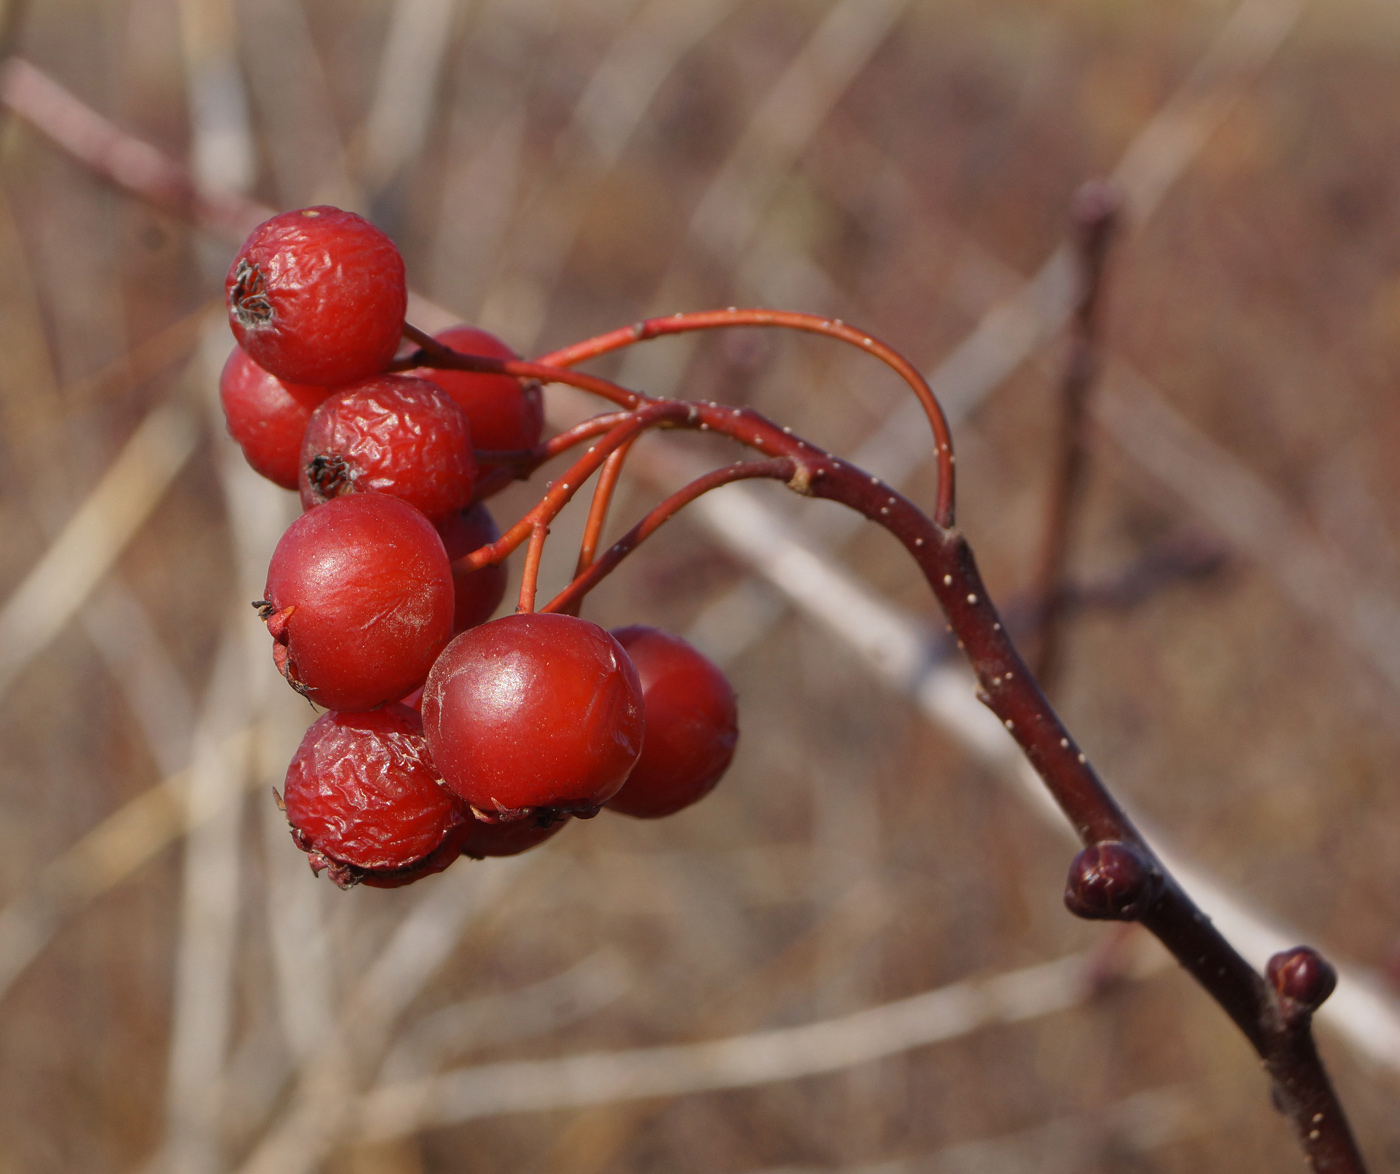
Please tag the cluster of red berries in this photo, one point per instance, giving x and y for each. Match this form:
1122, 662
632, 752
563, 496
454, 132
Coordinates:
448, 734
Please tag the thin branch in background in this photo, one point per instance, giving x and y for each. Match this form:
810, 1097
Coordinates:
739, 1062
1095, 213
94, 537
223, 158
1313, 575
540, 1008
159, 699
288, 86
402, 107
1136, 1125
321, 1112
205, 954
780, 129
611, 107
103, 858
124, 160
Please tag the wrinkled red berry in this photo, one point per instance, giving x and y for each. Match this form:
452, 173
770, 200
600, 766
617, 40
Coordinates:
318, 296
505, 413
390, 434
362, 795
359, 601
266, 416
479, 592
691, 725
533, 711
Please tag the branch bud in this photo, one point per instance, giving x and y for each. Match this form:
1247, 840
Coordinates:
1302, 979
1112, 881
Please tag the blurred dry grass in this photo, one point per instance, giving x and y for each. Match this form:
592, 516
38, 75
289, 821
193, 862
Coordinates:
556, 167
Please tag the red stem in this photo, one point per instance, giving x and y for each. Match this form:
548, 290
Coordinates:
791, 320
589, 576
432, 353
598, 508
530, 576
561, 492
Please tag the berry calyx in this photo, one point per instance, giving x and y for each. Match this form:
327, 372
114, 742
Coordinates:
363, 798
691, 725
317, 296
533, 711
505, 413
266, 416
478, 592
391, 434
358, 602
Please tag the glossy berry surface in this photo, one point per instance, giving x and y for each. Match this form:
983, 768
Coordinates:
391, 434
478, 592
533, 711
505, 412
480, 840
317, 296
266, 416
359, 601
692, 725
361, 791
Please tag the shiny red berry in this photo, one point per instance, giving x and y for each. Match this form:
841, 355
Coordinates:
691, 725
479, 592
533, 711
391, 434
505, 412
359, 601
363, 797
317, 296
266, 416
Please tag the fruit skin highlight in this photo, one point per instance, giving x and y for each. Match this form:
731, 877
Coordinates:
266, 416
317, 296
363, 798
359, 601
692, 725
534, 713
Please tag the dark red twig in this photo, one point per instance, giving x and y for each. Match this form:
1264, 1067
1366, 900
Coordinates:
781, 469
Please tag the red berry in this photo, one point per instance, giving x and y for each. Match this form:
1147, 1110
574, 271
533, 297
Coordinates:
505, 412
480, 840
362, 795
691, 723
391, 434
479, 592
318, 296
359, 601
266, 416
533, 711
